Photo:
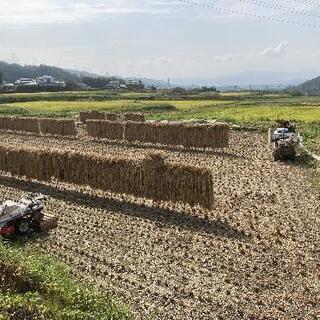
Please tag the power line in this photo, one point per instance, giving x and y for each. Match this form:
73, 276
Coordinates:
281, 7
247, 14
308, 2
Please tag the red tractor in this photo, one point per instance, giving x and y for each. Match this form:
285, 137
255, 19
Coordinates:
24, 216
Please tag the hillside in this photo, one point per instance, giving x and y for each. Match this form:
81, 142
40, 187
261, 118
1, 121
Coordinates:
311, 87
257, 79
12, 72
81, 74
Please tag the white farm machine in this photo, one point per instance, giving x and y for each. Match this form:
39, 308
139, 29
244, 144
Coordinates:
25, 216
284, 141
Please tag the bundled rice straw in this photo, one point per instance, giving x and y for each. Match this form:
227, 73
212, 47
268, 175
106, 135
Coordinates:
137, 117
58, 127
105, 129
175, 134
111, 116
20, 124
84, 115
152, 178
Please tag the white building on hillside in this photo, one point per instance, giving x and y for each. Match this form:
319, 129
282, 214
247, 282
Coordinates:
49, 81
43, 81
26, 82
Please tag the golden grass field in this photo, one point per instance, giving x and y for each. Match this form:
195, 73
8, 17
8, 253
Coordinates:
247, 109
172, 109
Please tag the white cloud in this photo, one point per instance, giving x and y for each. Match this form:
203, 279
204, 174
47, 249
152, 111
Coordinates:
17, 13
269, 52
277, 51
155, 38
315, 54
14, 58
158, 62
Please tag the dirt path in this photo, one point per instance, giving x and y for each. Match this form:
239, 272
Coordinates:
255, 256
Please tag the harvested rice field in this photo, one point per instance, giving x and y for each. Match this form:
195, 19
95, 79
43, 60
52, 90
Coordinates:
255, 255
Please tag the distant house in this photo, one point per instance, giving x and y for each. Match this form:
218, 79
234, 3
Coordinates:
43, 81
26, 82
116, 84
83, 86
132, 82
7, 87
49, 81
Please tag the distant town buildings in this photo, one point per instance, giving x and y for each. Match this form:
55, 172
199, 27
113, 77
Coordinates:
132, 82
126, 84
43, 81
25, 82
50, 83
115, 84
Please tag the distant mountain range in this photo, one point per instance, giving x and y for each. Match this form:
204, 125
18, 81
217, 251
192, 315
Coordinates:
254, 79
153, 82
81, 74
12, 72
311, 87
245, 80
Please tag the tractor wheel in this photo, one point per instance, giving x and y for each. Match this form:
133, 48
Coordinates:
293, 156
270, 136
23, 226
37, 216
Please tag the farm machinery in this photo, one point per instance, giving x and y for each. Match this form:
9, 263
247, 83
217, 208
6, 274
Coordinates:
284, 141
25, 216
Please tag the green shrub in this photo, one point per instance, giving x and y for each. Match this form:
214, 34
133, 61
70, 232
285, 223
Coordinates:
49, 291
151, 108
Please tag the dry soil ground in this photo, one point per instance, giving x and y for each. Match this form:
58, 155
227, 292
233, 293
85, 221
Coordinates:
256, 255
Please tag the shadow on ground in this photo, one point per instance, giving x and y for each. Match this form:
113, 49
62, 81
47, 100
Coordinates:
163, 217
137, 145
178, 149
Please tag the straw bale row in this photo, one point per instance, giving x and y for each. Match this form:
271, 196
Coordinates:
58, 127
136, 117
85, 115
97, 115
20, 124
151, 178
35, 125
105, 129
175, 134
177, 183
111, 116
187, 135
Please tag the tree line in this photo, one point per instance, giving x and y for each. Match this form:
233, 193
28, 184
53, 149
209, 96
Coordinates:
12, 72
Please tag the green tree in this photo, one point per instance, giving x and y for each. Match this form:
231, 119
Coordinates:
13, 72
100, 82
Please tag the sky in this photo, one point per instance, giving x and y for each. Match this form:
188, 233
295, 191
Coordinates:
163, 39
